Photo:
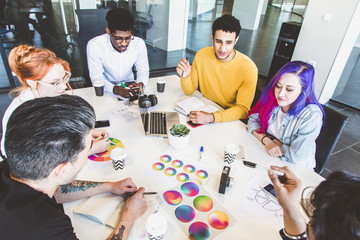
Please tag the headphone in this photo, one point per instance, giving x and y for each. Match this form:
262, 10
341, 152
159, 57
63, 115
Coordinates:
146, 101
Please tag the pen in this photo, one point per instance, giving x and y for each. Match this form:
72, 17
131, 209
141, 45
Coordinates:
255, 165
124, 86
187, 60
201, 151
129, 194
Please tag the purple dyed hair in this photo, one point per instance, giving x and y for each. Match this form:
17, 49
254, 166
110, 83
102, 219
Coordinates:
268, 102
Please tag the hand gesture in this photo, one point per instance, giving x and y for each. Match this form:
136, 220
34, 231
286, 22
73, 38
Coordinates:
201, 117
135, 206
124, 186
273, 149
288, 191
101, 141
183, 68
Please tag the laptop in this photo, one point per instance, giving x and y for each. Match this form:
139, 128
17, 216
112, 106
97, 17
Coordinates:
158, 124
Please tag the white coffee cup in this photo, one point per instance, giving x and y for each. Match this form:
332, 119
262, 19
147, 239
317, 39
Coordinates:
118, 156
156, 226
231, 149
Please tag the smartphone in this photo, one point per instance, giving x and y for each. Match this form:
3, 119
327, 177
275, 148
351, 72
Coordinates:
194, 125
102, 123
269, 188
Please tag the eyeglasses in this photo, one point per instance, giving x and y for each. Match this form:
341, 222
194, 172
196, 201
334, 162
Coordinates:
121, 39
64, 80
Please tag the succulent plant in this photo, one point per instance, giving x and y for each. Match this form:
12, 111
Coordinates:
179, 130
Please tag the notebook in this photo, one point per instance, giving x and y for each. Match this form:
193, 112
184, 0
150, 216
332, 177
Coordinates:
193, 104
158, 124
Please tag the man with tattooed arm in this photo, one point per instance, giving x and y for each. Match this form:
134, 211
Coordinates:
47, 143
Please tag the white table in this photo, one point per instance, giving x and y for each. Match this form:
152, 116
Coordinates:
142, 149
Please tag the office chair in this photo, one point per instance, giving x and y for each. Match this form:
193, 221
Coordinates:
92, 23
143, 22
328, 137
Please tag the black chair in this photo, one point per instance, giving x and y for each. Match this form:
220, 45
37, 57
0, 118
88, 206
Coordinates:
92, 23
143, 22
328, 137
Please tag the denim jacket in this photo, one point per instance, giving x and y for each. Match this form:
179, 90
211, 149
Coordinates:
298, 134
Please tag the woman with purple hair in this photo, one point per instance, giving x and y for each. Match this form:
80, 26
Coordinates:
288, 118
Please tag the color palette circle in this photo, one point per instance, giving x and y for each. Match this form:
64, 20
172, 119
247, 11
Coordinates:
182, 177
105, 156
185, 213
165, 158
170, 171
190, 189
177, 163
218, 220
158, 166
189, 168
172, 197
201, 174
200, 230
203, 203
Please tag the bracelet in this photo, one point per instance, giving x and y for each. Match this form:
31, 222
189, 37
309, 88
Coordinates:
298, 237
115, 90
262, 140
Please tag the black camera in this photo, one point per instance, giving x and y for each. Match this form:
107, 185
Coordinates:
225, 180
146, 101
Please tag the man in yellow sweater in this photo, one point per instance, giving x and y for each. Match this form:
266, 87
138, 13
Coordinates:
222, 74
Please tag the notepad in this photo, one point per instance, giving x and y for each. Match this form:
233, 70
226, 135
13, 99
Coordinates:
193, 104
103, 208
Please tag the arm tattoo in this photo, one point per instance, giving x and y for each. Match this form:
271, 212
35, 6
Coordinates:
119, 235
76, 186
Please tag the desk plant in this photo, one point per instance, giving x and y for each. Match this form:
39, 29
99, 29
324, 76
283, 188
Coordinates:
179, 136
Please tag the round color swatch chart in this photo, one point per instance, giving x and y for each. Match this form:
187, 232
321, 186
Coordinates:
172, 197
200, 230
165, 158
185, 213
218, 220
105, 156
189, 168
177, 163
203, 203
158, 166
190, 189
170, 171
201, 174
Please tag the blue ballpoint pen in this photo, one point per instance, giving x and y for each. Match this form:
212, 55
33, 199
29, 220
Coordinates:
201, 151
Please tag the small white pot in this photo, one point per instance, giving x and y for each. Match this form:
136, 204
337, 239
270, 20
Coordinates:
178, 142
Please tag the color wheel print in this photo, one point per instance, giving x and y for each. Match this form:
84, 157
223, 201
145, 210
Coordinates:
185, 213
189, 168
165, 158
190, 189
170, 171
182, 177
201, 174
203, 203
172, 197
105, 156
177, 163
158, 166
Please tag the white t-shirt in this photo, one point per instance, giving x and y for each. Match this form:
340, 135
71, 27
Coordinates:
275, 128
26, 95
112, 67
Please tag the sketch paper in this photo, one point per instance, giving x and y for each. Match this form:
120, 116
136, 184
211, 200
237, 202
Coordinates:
259, 204
196, 211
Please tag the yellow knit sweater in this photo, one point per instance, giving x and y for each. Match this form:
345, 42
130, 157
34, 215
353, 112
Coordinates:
231, 85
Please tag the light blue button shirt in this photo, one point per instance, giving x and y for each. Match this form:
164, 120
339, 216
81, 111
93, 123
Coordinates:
298, 134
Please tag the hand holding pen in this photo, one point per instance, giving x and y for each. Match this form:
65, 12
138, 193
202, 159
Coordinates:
184, 68
101, 141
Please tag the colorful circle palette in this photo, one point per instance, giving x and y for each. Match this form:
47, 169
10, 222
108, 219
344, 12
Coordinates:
200, 230
185, 213
158, 166
190, 189
172, 197
105, 156
170, 171
203, 203
201, 174
189, 168
182, 177
218, 220
165, 158
177, 163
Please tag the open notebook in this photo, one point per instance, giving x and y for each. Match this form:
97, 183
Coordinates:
193, 104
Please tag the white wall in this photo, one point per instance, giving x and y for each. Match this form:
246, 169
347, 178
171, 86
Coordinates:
327, 43
248, 12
